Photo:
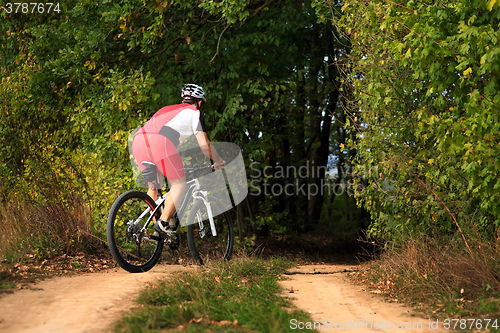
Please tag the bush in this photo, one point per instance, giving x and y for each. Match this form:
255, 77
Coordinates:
425, 115
59, 204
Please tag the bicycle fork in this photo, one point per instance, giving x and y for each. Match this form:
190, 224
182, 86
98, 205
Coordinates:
202, 194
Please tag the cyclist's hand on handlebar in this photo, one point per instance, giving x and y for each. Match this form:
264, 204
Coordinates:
219, 165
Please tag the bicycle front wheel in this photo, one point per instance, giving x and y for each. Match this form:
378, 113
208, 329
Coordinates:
204, 246
134, 249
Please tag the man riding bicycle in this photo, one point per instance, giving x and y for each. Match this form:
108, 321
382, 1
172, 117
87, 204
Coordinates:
155, 148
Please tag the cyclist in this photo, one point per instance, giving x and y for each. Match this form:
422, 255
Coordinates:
155, 148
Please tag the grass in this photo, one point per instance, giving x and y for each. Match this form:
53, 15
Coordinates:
440, 278
237, 296
40, 229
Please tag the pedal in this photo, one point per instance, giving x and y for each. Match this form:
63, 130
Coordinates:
172, 240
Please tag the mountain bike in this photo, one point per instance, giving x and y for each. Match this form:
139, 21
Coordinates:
136, 246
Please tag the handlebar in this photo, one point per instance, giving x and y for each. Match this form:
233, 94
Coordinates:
199, 171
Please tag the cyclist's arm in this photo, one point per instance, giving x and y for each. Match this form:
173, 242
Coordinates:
208, 149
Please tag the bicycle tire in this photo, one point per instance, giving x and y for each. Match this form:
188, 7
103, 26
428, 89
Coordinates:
134, 253
211, 248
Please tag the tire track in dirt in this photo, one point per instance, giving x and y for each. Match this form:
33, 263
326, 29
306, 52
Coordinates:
335, 304
81, 303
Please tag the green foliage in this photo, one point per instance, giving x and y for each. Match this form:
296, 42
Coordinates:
76, 83
426, 114
67, 109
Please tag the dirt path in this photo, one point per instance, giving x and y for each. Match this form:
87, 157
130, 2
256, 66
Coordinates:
337, 305
92, 302
83, 303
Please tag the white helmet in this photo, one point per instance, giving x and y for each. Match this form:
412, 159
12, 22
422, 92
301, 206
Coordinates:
193, 91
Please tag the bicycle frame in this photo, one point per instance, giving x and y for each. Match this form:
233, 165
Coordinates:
195, 192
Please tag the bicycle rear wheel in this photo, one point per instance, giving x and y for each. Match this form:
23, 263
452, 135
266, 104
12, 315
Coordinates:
204, 246
133, 250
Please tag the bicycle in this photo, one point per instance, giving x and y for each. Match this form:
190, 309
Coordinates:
137, 247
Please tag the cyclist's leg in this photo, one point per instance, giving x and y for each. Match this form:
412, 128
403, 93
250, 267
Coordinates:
172, 167
163, 153
174, 198
153, 191
145, 147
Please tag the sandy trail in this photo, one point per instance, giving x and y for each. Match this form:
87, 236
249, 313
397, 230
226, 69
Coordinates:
83, 303
337, 305
93, 302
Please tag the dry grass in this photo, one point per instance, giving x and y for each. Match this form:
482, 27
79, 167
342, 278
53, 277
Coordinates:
44, 228
442, 273
46, 210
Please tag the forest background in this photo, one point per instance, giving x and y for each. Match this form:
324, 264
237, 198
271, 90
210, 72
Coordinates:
77, 82
352, 116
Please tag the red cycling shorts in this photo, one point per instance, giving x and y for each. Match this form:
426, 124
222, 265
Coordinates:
161, 151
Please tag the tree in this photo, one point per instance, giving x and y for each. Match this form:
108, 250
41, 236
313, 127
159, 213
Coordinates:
89, 75
425, 76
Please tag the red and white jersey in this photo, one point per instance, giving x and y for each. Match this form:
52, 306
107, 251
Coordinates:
176, 122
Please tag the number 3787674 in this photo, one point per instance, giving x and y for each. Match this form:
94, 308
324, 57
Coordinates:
32, 8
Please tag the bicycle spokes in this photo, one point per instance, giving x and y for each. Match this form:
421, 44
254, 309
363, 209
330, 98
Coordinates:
135, 247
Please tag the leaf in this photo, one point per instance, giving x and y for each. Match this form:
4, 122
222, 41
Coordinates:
468, 73
492, 4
